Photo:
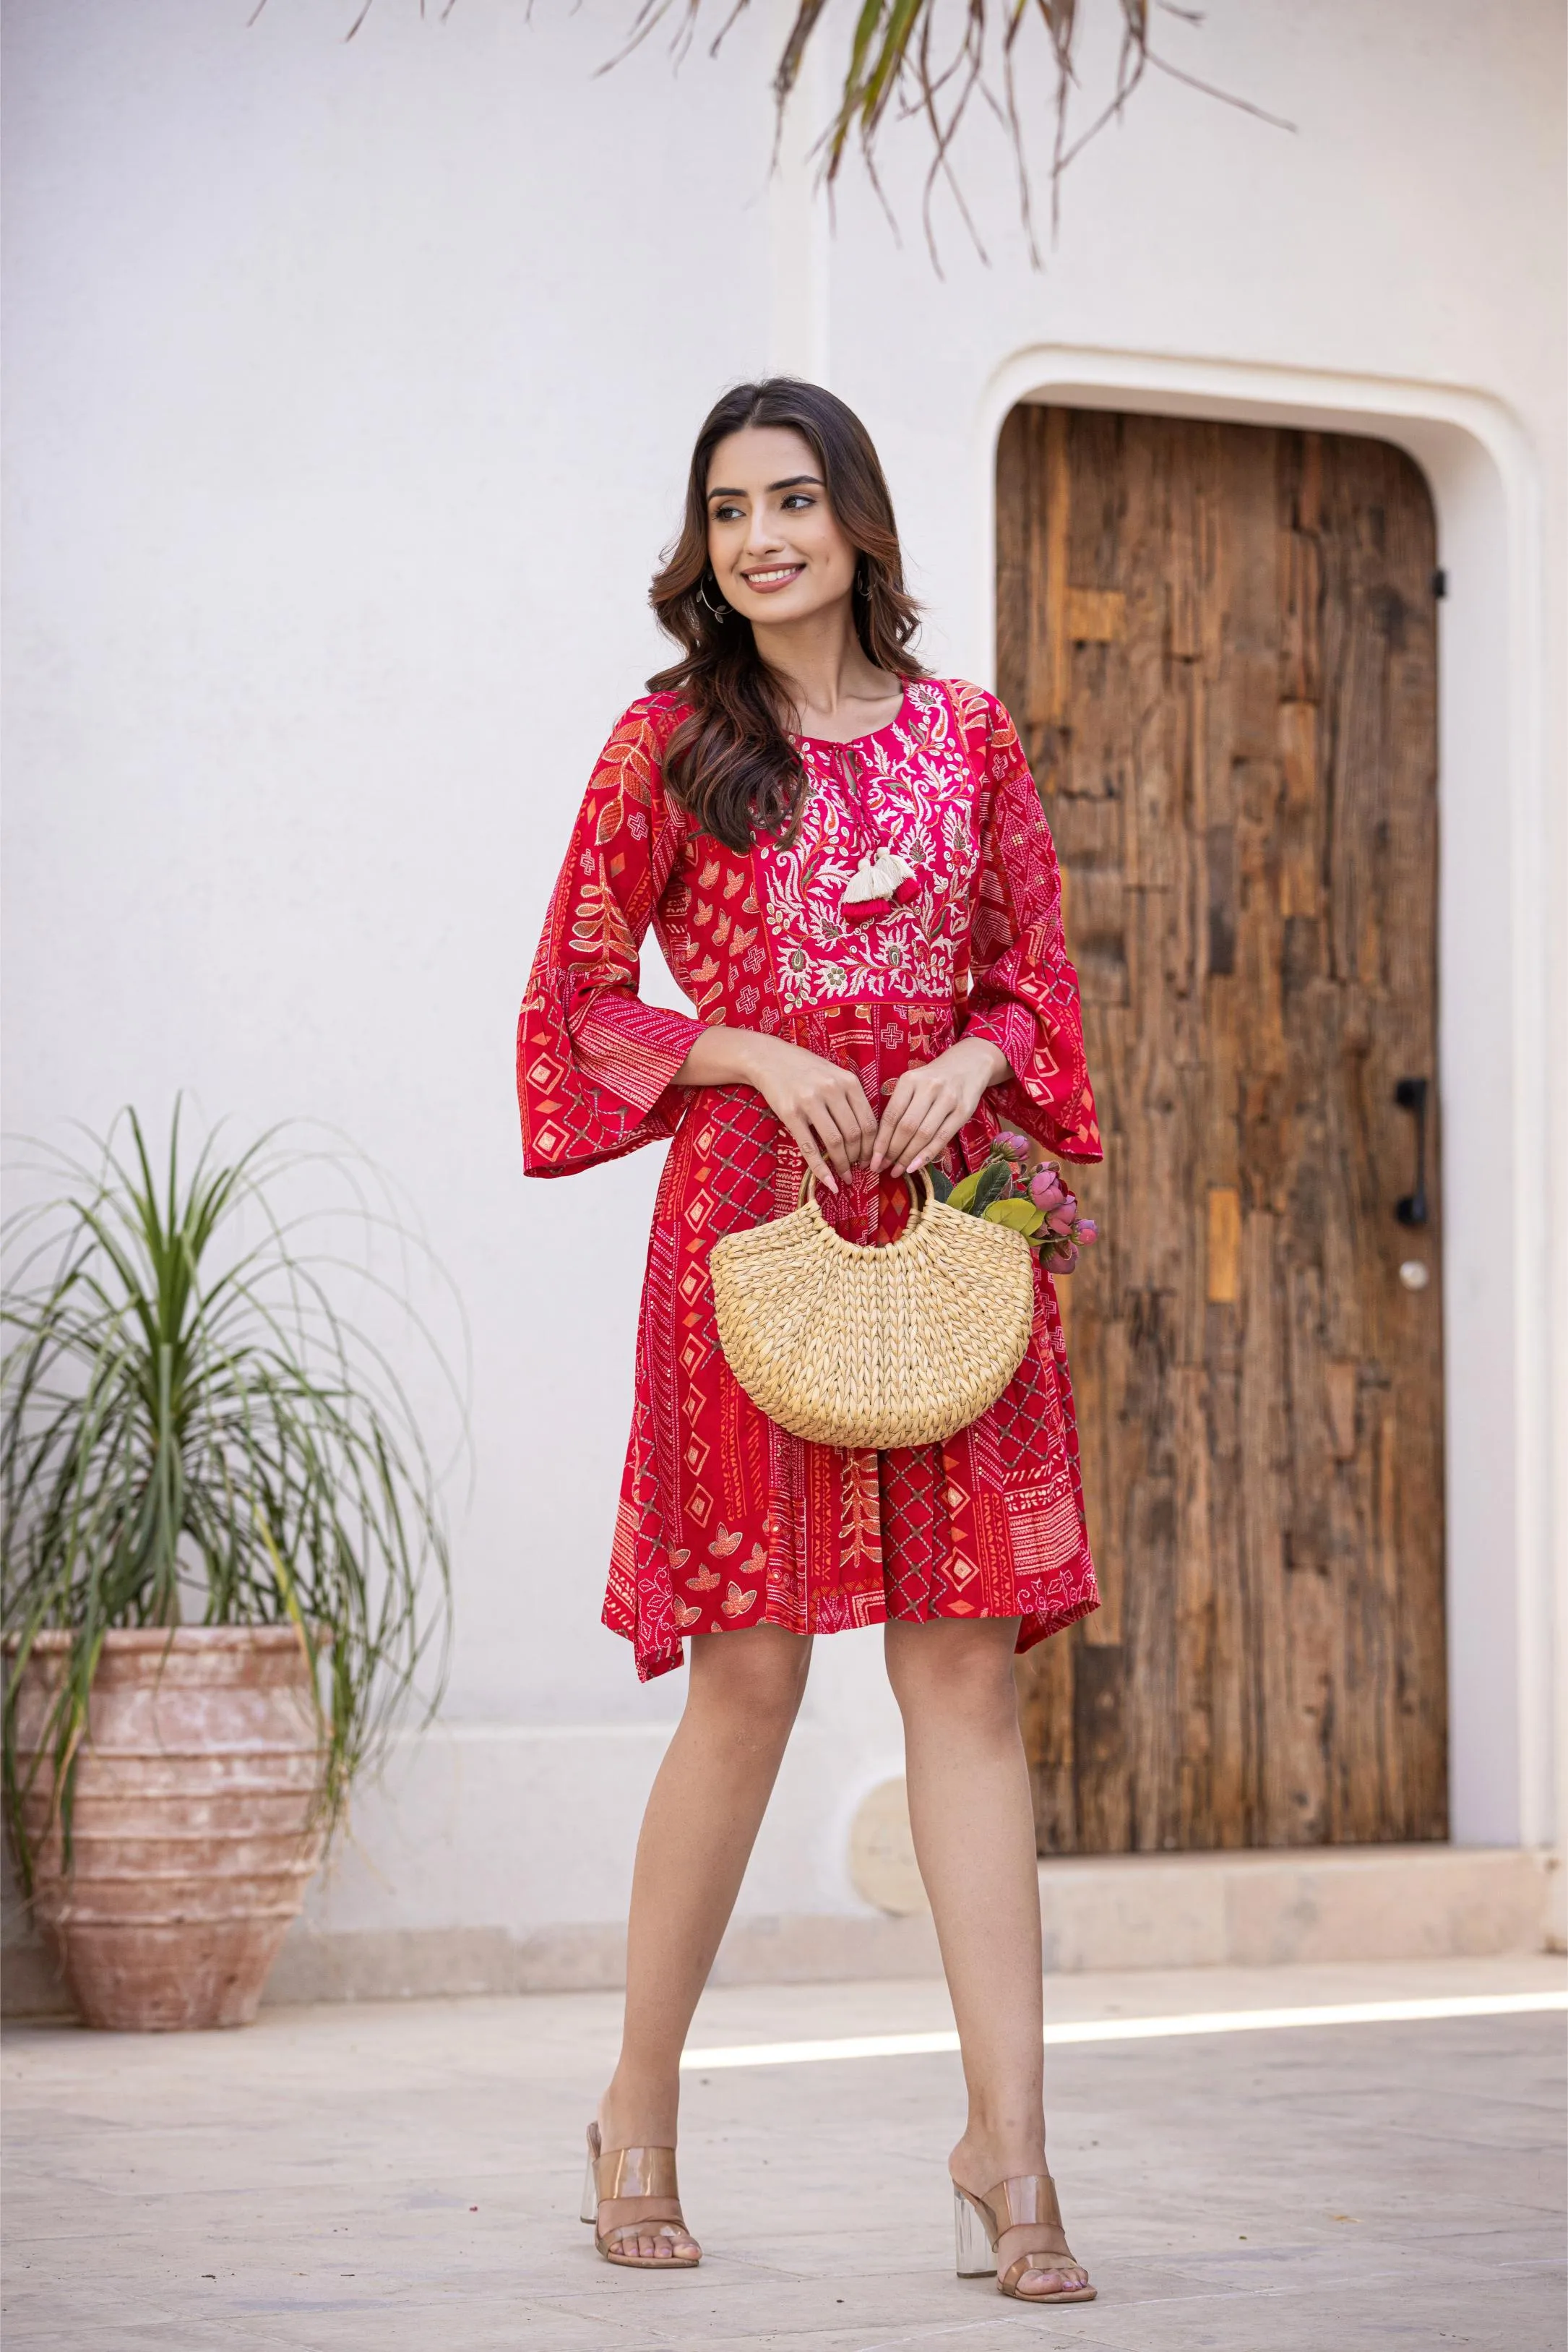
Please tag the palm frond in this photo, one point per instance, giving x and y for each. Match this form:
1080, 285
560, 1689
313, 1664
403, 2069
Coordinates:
928, 59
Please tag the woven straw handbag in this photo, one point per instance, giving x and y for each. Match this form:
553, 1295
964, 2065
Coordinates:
899, 1345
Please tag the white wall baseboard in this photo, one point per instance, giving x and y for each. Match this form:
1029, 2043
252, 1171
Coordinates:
1114, 1912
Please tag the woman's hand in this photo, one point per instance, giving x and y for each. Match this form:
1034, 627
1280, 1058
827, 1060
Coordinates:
823, 1106
931, 1103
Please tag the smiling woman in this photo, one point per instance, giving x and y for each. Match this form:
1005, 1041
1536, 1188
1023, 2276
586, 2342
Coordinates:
850, 877
792, 531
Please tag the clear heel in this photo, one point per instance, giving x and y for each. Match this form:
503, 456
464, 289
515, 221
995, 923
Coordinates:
973, 2253
591, 2193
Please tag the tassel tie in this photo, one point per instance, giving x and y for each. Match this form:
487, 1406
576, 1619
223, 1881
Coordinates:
883, 879
880, 881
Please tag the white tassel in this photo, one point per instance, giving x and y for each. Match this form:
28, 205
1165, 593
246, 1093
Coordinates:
877, 877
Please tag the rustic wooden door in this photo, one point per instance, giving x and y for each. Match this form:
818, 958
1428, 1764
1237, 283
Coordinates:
1219, 644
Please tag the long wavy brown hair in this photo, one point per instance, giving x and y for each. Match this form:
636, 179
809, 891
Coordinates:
731, 762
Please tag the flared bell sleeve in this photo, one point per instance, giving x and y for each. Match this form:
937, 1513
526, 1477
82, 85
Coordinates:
594, 1063
1023, 990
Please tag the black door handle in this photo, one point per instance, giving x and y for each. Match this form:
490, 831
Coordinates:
1410, 1094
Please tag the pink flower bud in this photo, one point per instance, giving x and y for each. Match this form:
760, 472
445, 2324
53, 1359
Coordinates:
1063, 1215
1012, 1145
1086, 1233
1062, 1258
1045, 1189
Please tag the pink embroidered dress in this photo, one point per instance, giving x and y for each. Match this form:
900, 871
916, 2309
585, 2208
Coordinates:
725, 1519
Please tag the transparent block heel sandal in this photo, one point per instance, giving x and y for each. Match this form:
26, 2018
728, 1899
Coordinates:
647, 2172
1026, 2204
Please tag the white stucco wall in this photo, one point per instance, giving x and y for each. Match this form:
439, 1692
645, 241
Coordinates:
351, 387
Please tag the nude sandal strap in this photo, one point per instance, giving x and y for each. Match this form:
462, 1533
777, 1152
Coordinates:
1051, 2265
634, 2175
635, 2172
1020, 2203
1030, 2205
1029, 2202
619, 2230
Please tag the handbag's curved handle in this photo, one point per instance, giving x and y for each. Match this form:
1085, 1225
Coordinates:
921, 1189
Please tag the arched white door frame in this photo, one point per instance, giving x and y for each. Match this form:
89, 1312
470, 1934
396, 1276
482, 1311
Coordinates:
1493, 1027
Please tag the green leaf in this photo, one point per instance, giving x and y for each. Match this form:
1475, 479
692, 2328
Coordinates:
1021, 1215
996, 1181
941, 1183
963, 1193
877, 85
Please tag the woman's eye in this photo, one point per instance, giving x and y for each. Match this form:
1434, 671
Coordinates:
799, 498
727, 514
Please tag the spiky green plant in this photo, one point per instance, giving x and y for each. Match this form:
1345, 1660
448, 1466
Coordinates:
192, 1432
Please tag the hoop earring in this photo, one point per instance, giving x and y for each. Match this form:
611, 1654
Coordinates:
720, 611
862, 586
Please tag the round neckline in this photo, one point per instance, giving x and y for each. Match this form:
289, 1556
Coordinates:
848, 743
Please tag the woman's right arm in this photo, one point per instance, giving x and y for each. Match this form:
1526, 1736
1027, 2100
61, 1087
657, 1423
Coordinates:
595, 1063
823, 1106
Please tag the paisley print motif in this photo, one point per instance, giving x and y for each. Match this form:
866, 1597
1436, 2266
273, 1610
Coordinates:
725, 1520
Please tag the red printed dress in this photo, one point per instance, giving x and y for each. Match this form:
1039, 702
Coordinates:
724, 1519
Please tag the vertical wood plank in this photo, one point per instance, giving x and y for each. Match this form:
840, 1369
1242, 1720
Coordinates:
1052, 674
1017, 505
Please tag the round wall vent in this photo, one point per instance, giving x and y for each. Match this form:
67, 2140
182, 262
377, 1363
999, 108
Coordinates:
881, 1854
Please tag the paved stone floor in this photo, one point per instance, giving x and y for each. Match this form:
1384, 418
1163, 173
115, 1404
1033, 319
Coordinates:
387, 2178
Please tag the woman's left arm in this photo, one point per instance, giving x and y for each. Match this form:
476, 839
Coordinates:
1022, 1028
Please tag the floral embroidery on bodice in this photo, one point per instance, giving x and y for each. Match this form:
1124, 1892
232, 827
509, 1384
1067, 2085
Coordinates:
761, 937
912, 788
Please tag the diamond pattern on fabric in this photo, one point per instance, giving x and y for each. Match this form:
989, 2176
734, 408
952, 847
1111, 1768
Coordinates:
918, 1535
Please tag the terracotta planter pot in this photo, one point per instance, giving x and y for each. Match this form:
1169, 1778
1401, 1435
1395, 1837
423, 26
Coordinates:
194, 1832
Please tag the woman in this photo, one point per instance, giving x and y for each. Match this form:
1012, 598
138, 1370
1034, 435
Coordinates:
863, 1037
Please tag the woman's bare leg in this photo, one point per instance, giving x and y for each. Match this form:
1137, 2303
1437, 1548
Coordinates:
974, 1838
704, 1813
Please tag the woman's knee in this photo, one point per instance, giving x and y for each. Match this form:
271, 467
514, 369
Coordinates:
955, 1668
758, 1677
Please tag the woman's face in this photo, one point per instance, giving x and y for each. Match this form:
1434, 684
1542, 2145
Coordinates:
777, 548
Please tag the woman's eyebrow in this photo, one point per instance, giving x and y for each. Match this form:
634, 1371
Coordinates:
790, 482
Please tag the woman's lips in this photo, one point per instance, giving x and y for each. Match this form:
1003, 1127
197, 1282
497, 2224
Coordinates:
775, 576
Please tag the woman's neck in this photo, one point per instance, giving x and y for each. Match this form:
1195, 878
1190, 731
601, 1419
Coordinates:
831, 686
